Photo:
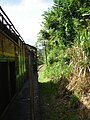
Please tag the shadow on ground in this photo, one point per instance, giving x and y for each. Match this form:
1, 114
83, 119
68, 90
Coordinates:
58, 103
19, 109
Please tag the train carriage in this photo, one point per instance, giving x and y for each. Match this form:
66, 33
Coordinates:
14, 60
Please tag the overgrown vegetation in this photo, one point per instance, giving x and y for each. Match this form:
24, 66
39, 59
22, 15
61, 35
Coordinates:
66, 27
57, 103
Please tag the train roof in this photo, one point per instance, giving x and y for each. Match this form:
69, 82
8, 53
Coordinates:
7, 26
31, 48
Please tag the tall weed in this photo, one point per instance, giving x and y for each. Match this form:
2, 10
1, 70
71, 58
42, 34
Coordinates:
81, 55
80, 63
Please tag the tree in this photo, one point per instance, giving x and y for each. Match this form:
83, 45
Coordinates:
64, 21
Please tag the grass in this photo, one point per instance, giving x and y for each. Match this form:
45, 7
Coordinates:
42, 77
57, 103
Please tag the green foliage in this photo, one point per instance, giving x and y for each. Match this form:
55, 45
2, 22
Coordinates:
43, 35
67, 29
40, 57
66, 25
58, 69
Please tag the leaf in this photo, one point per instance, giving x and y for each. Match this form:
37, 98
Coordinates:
84, 9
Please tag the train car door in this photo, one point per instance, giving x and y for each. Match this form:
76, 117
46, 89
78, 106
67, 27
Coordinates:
12, 78
4, 89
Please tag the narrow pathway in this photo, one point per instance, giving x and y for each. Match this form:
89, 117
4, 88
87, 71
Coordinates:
20, 107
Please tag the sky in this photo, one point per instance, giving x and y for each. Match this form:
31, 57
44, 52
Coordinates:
26, 15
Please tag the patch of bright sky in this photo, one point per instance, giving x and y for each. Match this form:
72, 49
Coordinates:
26, 16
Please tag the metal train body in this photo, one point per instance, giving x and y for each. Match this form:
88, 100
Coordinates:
14, 60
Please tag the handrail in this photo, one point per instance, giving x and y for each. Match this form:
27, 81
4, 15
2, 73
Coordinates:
31, 47
6, 21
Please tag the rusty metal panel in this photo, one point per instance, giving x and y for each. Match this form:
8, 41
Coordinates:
11, 49
17, 51
8, 47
